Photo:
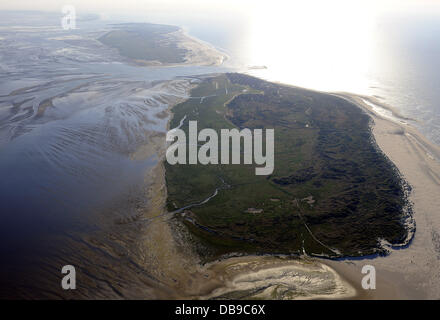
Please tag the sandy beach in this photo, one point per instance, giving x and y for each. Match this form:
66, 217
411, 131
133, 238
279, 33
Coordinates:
198, 52
412, 272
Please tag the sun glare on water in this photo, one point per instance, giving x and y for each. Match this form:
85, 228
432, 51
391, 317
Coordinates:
320, 45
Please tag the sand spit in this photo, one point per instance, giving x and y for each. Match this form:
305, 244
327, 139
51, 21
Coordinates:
411, 272
281, 278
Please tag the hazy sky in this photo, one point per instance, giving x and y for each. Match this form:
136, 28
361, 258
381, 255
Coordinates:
200, 7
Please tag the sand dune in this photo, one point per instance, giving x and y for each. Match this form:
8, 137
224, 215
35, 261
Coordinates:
411, 272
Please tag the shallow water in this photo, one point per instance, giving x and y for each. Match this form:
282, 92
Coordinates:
71, 114
273, 278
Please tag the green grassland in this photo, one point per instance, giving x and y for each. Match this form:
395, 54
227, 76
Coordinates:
324, 152
145, 41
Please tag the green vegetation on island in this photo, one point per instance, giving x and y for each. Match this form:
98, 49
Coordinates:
332, 191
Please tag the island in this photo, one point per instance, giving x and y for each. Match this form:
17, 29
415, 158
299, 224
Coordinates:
151, 44
332, 193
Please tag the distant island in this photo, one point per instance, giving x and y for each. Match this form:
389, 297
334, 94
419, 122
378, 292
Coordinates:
333, 192
156, 44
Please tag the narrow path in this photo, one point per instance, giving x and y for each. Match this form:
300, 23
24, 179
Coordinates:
311, 233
